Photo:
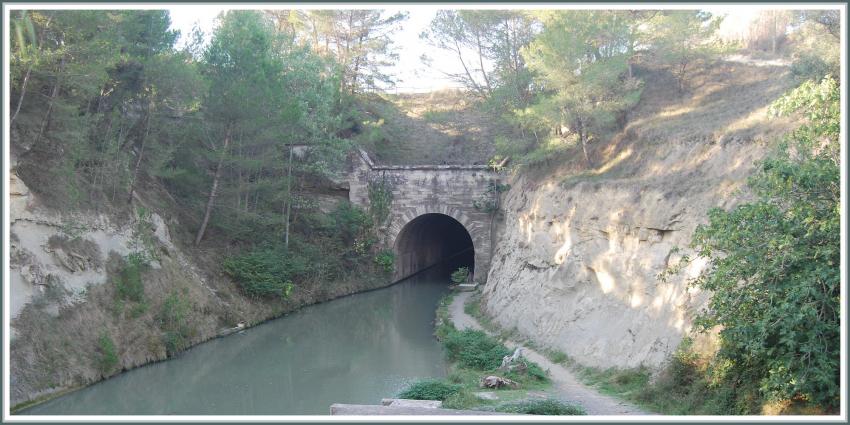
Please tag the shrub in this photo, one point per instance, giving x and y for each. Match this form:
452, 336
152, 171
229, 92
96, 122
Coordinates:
386, 259
173, 320
430, 390
460, 275
773, 264
541, 407
128, 284
263, 273
107, 356
474, 349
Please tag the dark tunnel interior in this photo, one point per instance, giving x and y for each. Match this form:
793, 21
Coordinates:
433, 240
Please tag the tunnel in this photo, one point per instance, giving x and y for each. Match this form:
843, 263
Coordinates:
433, 240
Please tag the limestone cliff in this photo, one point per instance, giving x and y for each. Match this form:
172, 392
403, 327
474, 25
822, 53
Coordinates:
576, 263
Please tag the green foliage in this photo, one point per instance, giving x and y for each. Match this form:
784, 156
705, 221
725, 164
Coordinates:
583, 58
380, 200
474, 349
430, 389
264, 273
541, 407
683, 39
173, 320
489, 200
128, 284
144, 238
107, 355
773, 264
386, 260
815, 45
460, 275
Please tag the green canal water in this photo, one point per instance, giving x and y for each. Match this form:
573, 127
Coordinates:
357, 349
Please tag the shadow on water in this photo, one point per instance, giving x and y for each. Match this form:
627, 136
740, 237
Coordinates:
357, 349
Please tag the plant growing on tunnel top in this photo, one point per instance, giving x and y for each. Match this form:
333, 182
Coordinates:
773, 264
386, 260
489, 200
460, 275
380, 200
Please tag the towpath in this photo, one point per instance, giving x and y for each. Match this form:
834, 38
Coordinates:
565, 383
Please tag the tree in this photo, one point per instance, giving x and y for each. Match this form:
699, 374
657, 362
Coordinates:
360, 41
773, 264
487, 44
816, 44
266, 93
683, 38
582, 58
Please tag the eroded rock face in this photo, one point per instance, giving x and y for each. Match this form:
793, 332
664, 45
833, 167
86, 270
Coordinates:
579, 251
577, 264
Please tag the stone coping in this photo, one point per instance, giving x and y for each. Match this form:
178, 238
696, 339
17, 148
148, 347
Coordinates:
447, 167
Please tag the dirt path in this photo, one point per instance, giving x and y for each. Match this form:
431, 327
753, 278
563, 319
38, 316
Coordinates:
565, 383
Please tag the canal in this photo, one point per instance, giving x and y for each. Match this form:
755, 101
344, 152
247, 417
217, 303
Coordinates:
357, 349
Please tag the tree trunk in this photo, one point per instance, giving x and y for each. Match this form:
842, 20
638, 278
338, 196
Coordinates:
481, 64
29, 70
141, 153
214, 189
53, 94
288, 199
23, 93
466, 70
583, 137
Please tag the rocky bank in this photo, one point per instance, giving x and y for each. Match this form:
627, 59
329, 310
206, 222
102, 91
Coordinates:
576, 264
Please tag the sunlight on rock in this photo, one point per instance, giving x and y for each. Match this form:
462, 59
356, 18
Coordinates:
606, 281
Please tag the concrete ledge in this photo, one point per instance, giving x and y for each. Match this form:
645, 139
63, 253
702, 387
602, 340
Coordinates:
404, 402
466, 287
377, 410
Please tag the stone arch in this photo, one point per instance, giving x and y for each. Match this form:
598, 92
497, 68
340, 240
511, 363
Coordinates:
422, 237
401, 218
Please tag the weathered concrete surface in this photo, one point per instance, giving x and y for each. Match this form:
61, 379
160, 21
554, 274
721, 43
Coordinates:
404, 402
378, 410
449, 190
568, 387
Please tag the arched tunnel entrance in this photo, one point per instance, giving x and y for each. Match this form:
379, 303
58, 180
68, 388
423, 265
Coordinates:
433, 239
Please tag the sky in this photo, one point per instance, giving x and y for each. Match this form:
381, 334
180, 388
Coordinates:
412, 74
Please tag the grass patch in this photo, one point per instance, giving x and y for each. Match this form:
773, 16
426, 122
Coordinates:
438, 116
473, 355
541, 407
430, 389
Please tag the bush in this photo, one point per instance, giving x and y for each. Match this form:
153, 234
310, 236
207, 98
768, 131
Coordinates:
128, 284
773, 264
474, 349
386, 259
430, 390
541, 407
264, 273
107, 354
173, 320
460, 275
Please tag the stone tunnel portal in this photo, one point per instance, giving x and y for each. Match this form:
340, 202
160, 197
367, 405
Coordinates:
432, 239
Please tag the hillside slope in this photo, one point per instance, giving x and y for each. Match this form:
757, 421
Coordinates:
443, 127
579, 252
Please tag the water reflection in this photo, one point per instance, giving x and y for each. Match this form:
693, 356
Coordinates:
357, 349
